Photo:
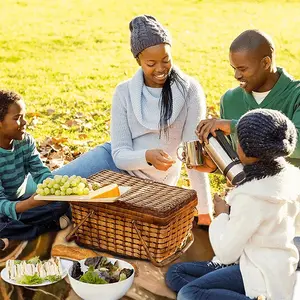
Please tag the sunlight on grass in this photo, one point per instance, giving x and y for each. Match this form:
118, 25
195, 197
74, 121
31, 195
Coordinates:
70, 55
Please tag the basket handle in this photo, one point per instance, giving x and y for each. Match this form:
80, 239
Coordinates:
169, 259
72, 235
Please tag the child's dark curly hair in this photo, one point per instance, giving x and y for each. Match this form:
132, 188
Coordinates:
7, 98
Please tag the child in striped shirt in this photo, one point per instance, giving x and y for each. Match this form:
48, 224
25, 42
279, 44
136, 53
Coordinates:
21, 217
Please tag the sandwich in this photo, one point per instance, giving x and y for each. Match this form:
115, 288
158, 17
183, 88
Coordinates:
34, 270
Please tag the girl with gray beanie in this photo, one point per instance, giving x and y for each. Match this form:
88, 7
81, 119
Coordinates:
253, 241
152, 114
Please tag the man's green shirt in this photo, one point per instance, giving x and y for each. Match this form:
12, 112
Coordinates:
284, 96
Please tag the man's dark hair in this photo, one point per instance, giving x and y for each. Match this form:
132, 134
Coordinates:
254, 40
7, 98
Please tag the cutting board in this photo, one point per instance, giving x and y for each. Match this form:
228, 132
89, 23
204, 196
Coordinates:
84, 198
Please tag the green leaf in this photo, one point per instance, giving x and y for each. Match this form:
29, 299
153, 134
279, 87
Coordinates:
92, 277
122, 277
53, 278
30, 279
34, 260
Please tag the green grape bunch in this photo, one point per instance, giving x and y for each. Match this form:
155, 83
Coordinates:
63, 186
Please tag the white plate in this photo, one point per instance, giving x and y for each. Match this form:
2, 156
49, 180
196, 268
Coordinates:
123, 189
66, 264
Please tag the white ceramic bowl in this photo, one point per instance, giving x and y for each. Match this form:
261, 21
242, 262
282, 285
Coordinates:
109, 291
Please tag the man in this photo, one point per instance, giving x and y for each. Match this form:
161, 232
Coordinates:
262, 85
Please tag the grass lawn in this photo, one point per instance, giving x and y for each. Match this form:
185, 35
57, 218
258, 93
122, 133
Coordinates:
66, 56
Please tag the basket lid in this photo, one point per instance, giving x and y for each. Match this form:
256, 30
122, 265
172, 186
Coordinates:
146, 196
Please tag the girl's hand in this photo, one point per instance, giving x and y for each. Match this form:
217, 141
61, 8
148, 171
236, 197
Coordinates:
159, 159
220, 205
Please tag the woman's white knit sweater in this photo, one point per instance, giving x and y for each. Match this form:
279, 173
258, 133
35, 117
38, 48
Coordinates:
135, 129
259, 233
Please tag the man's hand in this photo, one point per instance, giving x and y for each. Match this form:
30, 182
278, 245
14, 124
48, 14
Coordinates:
30, 203
205, 127
220, 205
159, 159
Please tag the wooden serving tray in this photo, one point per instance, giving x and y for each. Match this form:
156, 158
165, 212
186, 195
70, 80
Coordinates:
85, 198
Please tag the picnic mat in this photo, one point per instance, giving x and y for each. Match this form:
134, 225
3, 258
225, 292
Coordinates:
148, 284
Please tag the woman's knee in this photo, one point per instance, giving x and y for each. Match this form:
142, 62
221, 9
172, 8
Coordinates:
89, 163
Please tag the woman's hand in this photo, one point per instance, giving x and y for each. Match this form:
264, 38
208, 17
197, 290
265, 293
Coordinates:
159, 159
220, 205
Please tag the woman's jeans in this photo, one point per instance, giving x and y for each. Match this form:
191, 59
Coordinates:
206, 281
89, 163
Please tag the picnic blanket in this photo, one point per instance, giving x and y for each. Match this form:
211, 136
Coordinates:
148, 284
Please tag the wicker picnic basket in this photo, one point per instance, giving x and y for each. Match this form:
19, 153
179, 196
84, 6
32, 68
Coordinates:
151, 221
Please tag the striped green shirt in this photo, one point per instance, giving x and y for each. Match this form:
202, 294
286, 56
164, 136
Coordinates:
15, 165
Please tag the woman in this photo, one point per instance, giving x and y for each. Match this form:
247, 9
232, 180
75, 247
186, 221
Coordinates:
152, 114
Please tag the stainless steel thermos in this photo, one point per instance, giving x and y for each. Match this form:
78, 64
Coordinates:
226, 159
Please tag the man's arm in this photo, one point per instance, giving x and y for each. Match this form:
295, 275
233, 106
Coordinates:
233, 123
296, 121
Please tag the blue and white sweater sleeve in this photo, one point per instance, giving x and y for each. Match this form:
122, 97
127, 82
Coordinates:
123, 154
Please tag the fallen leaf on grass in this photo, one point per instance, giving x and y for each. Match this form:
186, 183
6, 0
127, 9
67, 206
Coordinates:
56, 160
212, 111
54, 153
50, 111
60, 140
33, 114
79, 143
72, 123
83, 136
79, 115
